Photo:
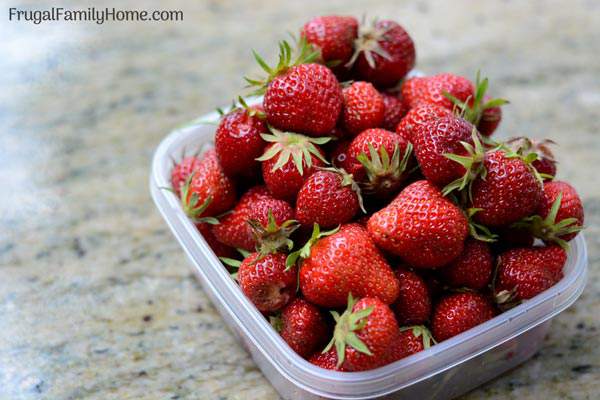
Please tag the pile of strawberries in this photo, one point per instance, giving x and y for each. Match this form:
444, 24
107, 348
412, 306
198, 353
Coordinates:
369, 215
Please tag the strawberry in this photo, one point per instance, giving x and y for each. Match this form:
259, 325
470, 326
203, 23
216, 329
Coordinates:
345, 261
434, 140
472, 268
384, 53
288, 160
559, 215
238, 142
411, 340
328, 197
364, 334
220, 249
480, 110
459, 312
333, 35
432, 89
413, 305
301, 96
545, 164
527, 271
380, 160
507, 192
363, 107
418, 116
181, 172
421, 226
267, 282
393, 111
326, 360
258, 209
302, 326
207, 191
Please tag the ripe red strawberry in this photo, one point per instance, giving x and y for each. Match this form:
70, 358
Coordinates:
559, 215
508, 192
255, 205
566, 216
181, 172
472, 268
364, 334
413, 305
363, 107
384, 53
345, 262
418, 116
220, 249
380, 160
459, 312
333, 35
545, 163
238, 142
437, 138
299, 96
207, 191
267, 282
479, 109
431, 89
302, 326
421, 226
288, 160
527, 271
326, 360
394, 109
328, 197
411, 340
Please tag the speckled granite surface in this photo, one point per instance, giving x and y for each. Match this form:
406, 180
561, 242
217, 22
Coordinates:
96, 298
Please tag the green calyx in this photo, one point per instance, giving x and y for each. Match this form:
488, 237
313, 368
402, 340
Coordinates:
348, 180
530, 150
305, 53
276, 322
190, 202
346, 326
472, 162
272, 237
384, 173
422, 332
472, 109
304, 251
479, 231
368, 44
294, 146
547, 228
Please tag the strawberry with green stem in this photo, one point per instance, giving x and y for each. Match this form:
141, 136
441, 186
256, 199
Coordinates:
559, 216
383, 53
380, 160
299, 96
545, 163
363, 334
207, 191
333, 36
412, 339
480, 110
240, 227
288, 160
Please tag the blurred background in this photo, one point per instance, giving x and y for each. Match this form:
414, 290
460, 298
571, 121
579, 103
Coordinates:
96, 298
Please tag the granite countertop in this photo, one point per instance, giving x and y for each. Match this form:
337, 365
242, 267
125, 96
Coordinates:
96, 297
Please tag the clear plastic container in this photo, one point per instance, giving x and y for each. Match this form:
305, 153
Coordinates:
444, 371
